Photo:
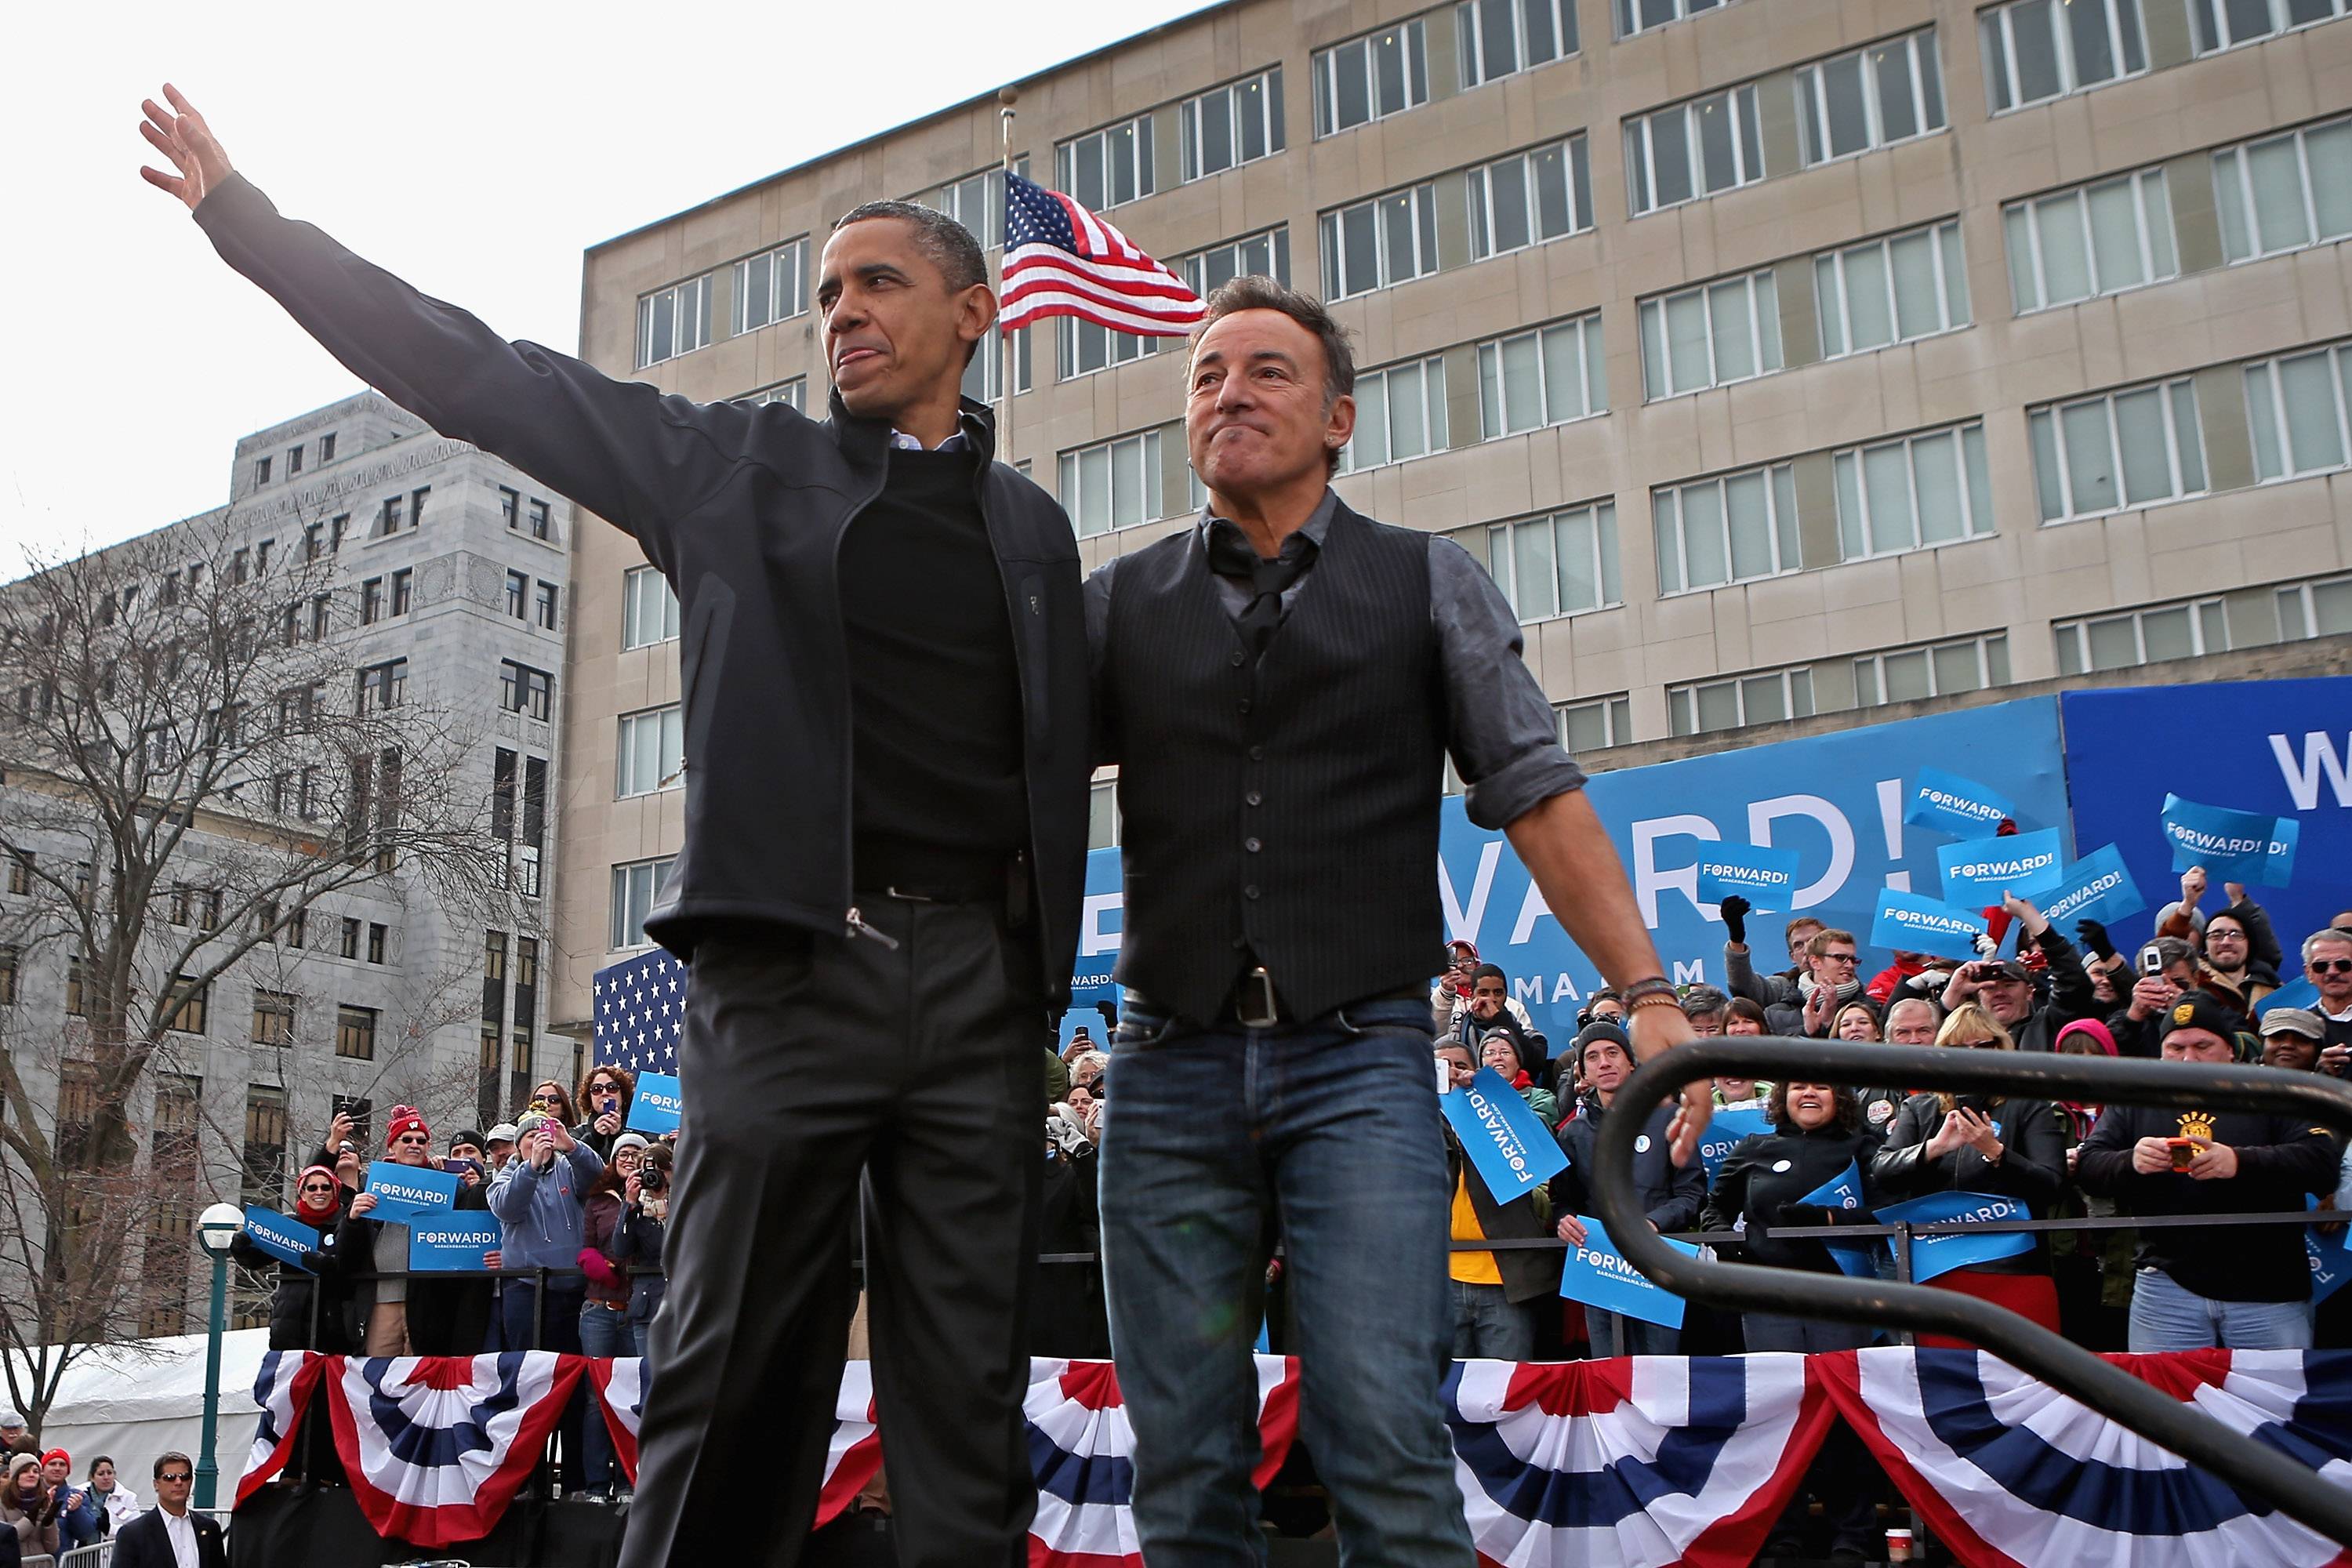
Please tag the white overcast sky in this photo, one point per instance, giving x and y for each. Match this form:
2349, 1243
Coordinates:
474, 149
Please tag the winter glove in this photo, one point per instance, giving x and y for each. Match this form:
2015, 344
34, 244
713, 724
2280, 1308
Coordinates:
2094, 935
1734, 911
1804, 1214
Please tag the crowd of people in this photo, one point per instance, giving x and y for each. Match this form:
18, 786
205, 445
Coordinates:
46, 1513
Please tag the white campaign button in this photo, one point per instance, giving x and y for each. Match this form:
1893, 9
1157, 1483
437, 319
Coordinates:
1642, 1144
1778, 1165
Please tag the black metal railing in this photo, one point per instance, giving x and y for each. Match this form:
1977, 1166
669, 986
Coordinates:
2258, 1470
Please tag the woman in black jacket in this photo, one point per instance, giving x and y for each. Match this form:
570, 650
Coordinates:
1766, 1180
317, 1204
1967, 1143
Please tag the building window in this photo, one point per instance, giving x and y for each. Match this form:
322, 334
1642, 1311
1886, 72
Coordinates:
634, 888
417, 504
648, 608
1545, 377
518, 593
1561, 564
543, 605
2094, 239
273, 1018
1371, 78
1497, 38
983, 375
1643, 15
371, 601
1373, 244
327, 448
651, 753
375, 941
2040, 49
383, 686
1878, 95
2186, 630
1112, 484
404, 583
1943, 669
2284, 193
772, 286
77, 987
1917, 491
977, 201
1231, 126
1088, 346
1400, 413
260, 471
2321, 609
1104, 168
2226, 24
20, 872
264, 1161
510, 507
1686, 151
1726, 529
1595, 724
298, 923
1703, 706
186, 1006
541, 525
2296, 405
673, 321
794, 392
351, 947
522, 689
2121, 448
9, 957
337, 526
355, 1032
1529, 198
1266, 254
1891, 290
1711, 335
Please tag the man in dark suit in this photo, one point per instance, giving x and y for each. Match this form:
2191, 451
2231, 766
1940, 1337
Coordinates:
168, 1535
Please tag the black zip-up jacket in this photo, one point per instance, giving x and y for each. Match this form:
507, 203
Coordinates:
1671, 1195
743, 508
1766, 1171
2280, 1159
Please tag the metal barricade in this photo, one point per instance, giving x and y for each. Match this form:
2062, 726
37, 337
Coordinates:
95, 1556
2261, 1472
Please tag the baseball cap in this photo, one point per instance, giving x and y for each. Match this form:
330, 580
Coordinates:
504, 1132
2293, 1021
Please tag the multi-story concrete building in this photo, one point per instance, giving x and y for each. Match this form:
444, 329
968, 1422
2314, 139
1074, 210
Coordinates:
421, 577
1777, 357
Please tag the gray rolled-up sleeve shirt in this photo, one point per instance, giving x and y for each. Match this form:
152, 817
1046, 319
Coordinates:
1500, 728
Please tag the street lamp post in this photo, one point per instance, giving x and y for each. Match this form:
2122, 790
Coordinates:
216, 1228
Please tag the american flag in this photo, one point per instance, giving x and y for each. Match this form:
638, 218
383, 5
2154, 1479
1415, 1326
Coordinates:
1062, 260
640, 1007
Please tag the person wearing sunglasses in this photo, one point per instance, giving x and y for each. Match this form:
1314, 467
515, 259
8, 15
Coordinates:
604, 1095
2010, 1147
2328, 964
398, 1316
318, 1204
171, 1535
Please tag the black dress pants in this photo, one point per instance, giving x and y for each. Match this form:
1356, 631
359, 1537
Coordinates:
805, 1060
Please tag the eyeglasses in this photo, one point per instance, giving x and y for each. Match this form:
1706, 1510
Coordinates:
411, 1140
2331, 966
318, 1186
176, 1476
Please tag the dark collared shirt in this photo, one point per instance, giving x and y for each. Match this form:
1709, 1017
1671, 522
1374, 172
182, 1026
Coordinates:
1501, 731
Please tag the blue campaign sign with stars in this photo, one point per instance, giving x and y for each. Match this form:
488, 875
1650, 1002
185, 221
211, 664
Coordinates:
640, 1005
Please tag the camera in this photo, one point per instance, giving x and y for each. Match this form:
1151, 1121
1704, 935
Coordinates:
653, 1179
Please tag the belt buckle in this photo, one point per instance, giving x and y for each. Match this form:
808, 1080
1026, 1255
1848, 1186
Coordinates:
906, 897
1254, 1001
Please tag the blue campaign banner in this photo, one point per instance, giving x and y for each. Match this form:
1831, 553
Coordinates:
657, 1105
1597, 1274
2297, 992
407, 1194
2284, 747
1838, 800
1982, 870
1724, 1133
1844, 1191
1765, 877
1509, 1143
2232, 845
2331, 1262
462, 1238
1934, 1255
1908, 922
1961, 807
286, 1239
2098, 887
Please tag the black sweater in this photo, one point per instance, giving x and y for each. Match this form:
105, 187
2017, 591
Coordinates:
1766, 1170
2280, 1159
2032, 1168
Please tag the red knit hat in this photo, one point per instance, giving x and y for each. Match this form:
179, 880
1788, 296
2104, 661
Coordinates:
404, 1119
57, 1454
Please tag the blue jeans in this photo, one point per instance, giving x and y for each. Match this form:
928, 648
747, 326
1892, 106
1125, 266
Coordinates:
2167, 1316
1332, 1129
604, 1331
1489, 1325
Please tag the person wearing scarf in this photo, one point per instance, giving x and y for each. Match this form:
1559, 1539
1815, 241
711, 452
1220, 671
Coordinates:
1499, 1050
319, 1206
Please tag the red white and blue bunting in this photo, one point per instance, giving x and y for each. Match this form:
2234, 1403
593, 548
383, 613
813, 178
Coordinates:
1639, 1462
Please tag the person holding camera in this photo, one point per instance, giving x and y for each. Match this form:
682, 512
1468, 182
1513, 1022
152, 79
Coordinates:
318, 1204
635, 1242
391, 1314
605, 1329
2005, 986
2199, 1287
604, 1095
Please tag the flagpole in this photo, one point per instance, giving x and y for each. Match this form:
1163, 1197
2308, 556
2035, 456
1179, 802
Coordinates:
1005, 99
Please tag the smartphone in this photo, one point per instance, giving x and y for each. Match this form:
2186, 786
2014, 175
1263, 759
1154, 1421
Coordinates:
2184, 1151
1976, 1102
1445, 1076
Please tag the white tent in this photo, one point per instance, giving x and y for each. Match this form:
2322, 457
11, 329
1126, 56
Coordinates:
136, 1401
